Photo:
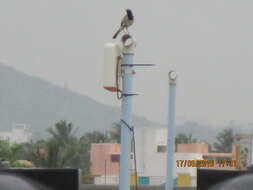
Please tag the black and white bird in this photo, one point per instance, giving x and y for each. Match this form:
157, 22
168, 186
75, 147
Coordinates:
127, 21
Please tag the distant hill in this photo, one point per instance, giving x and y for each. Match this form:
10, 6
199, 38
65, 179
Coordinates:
39, 104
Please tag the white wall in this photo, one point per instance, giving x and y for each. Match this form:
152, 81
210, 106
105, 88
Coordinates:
106, 180
153, 163
18, 135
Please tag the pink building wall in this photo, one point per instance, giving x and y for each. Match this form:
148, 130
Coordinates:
203, 149
193, 148
105, 159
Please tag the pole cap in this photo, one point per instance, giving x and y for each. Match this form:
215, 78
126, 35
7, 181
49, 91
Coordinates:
172, 77
128, 43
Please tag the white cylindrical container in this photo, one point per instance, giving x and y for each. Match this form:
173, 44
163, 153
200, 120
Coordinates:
112, 54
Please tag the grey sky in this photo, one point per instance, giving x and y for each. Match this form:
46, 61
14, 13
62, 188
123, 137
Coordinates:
209, 44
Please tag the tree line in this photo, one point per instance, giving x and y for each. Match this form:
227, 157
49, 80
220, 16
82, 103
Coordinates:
224, 141
63, 149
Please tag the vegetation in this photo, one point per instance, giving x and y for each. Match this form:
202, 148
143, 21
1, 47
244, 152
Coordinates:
62, 150
10, 151
115, 133
225, 140
182, 138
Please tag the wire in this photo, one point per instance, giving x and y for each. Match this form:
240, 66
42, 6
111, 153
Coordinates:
135, 161
119, 92
126, 124
131, 128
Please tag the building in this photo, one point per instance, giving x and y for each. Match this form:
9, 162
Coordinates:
151, 144
151, 155
151, 159
218, 158
105, 162
18, 134
193, 148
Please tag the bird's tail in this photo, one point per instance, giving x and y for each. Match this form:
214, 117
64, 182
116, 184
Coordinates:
116, 34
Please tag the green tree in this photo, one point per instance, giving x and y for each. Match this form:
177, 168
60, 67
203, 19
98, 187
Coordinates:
114, 133
225, 140
85, 144
95, 137
84, 159
16, 152
64, 149
58, 151
182, 138
37, 152
10, 152
4, 150
62, 132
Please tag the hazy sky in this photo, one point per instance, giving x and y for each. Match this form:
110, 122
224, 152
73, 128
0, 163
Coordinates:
209, 44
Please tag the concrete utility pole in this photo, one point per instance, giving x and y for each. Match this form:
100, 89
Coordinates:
126, 107
171, 130
251, 150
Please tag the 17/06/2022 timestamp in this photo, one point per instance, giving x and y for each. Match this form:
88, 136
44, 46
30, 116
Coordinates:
206, 163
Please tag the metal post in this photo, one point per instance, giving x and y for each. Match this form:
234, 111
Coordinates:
125, 134
105, 172
251, 150
171, 130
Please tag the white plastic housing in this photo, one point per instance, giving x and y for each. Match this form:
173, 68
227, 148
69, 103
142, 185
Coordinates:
112, 52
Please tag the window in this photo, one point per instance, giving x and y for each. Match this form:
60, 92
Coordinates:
161, 148
115, 157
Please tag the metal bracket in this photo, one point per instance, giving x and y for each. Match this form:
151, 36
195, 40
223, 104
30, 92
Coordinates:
130, 94
132, 65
